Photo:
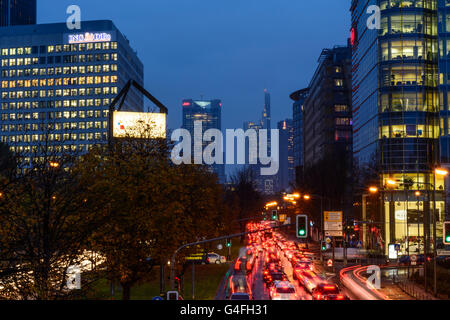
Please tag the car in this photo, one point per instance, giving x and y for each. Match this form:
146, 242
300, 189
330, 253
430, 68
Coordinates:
212, 258
326, 291
336, 297
275, 276
302, 265
240, 296
308, 279
283, 290
238, 284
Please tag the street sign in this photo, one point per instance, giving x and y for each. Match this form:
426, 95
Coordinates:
157, 298
219, 247
359, 244
333, 223
413, 260
330, 263
282, 217
328, 240
333, 233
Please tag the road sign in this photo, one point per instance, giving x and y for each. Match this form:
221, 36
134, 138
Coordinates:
413, 260
330, 263
328, 240
219, 247
359, 244
157, 298
333, 233
282, 217
333, 223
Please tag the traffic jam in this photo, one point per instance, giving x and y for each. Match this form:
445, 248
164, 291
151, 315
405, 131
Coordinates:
273, 267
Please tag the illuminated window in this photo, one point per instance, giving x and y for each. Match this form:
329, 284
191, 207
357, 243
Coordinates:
50, 49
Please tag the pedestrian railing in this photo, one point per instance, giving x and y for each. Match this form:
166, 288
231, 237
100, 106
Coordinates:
414, 291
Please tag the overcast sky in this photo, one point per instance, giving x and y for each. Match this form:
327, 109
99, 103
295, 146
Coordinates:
227, 49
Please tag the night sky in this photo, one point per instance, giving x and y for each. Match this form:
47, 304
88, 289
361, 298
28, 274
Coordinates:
228, 49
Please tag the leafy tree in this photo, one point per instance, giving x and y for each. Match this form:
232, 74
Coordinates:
45, 222
154, 206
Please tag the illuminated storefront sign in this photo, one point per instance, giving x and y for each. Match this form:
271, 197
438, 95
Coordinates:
139, 124
89, 37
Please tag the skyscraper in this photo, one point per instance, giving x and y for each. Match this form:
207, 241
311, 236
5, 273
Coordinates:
17, 12
66, 80
299, 98
265, 184
396, 115
286, 173
209, 112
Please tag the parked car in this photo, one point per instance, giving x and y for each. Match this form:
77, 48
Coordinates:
215, 258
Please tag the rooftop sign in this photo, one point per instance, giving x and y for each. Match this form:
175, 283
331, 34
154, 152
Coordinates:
89, 37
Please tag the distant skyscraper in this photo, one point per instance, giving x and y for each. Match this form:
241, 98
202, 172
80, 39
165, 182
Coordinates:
17, 12
286, 173
265, 184
209, 112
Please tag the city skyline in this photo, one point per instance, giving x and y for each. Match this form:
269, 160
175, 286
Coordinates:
249, 63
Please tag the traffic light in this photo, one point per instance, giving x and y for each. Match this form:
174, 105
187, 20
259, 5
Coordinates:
302, 226
323, 245
228, 243
274, 214
447, 232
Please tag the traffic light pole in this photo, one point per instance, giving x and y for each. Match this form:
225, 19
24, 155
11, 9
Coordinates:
173, 261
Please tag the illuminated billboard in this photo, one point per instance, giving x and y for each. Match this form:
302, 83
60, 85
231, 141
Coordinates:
139, 124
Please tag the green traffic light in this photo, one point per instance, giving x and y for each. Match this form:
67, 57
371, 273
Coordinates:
447, 239
301, 232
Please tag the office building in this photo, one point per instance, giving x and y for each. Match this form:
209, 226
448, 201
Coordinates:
209, 112
63, 79
286, 172
327, 122
299, 98
396, 116
17, 12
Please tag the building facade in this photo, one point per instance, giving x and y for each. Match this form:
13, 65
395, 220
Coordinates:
327, 116
286, 172
299, 98
58, 84
209, 112
17, 12
396, 116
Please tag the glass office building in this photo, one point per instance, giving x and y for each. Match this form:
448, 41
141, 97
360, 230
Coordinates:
64, 80
299, 98
286, 172
17, 12
396, 115
209, 112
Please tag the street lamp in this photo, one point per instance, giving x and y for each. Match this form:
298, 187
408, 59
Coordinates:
306, 197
